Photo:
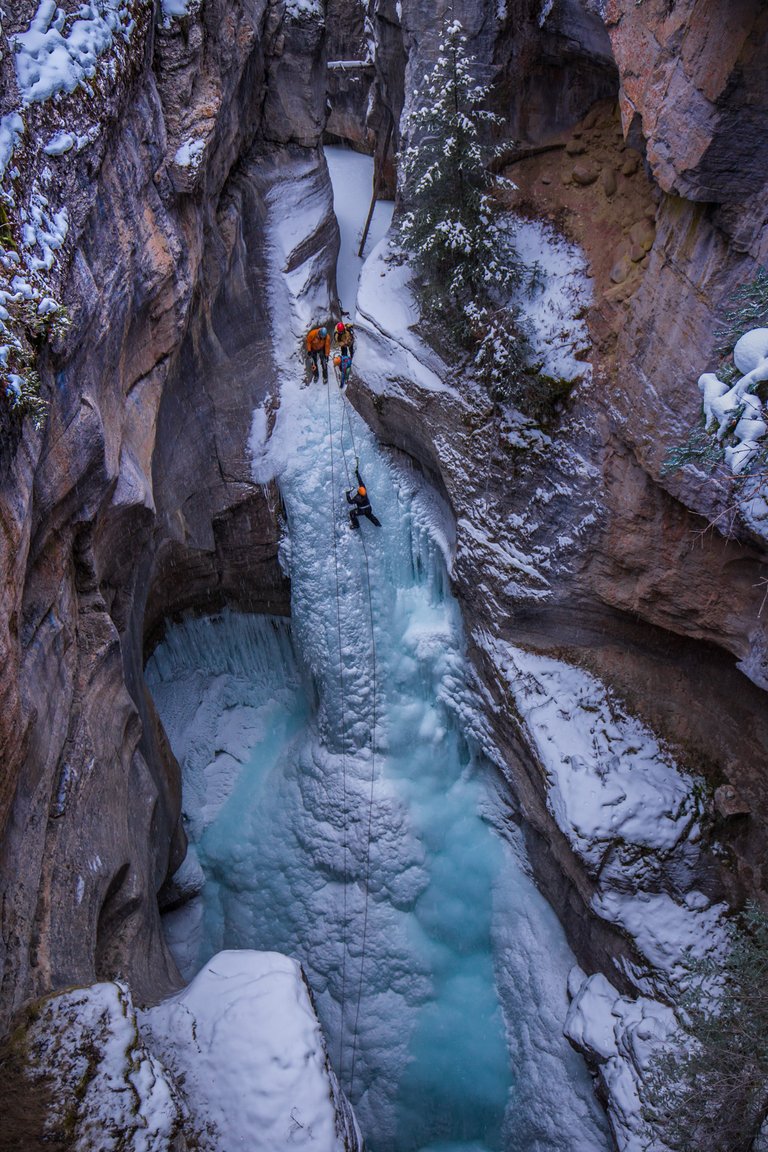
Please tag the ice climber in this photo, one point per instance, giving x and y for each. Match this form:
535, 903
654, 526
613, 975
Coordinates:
342, 362
361, 505
319, 348
344, 337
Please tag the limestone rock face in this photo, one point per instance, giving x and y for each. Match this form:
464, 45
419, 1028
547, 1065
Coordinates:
693, 95
693, 89
548, 63
137, 500
349, 84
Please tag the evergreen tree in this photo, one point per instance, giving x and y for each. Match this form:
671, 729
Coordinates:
466, 259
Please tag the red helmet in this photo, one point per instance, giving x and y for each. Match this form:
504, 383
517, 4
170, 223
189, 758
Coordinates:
361, 490
339, 327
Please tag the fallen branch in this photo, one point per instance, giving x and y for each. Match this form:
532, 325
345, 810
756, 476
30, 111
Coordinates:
515, 155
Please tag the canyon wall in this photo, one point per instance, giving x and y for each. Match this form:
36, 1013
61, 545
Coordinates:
135, 501
590, 550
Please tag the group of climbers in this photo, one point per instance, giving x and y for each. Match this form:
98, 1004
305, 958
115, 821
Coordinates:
318, 343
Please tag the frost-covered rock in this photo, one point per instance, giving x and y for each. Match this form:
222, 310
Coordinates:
621, 1037
247, 1060
632, 816
437, 413
739, 419
737, 410
58, 54
554, 307
244, 1040
106, 1088
70, 69
627, 809
396, 358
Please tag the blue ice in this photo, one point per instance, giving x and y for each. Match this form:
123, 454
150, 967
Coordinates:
341, 815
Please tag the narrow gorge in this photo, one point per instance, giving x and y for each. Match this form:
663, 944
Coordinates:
415, 837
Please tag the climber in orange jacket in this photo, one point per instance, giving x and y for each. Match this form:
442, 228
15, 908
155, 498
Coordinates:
319, 348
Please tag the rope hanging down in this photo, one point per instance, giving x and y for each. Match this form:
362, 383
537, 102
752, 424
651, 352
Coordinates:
345, 812
373, 752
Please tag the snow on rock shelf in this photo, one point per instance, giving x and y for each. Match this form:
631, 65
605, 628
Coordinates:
395, 357
626, 809
244, 1040
419, 401
59, 59
235, 1060
50, 58
632, 816
555, 305
107, 1090
620, 1035
176, 9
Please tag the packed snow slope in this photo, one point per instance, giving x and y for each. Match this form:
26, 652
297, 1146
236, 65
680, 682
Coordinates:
352, 179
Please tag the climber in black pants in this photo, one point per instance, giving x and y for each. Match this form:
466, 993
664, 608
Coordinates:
361, 505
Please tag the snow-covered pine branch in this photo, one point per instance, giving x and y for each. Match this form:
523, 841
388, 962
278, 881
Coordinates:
466, 261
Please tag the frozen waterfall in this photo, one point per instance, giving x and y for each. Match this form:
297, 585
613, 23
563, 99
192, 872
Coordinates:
340, 813
289, 789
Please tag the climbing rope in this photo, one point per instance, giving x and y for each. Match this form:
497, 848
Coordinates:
367, 870
367, 867
345, 812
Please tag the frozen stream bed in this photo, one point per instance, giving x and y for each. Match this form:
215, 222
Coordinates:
340, 814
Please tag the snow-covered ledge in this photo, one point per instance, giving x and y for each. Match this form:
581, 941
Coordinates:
738, 419
235, 1060
444, 418
244, 1041
632, 816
